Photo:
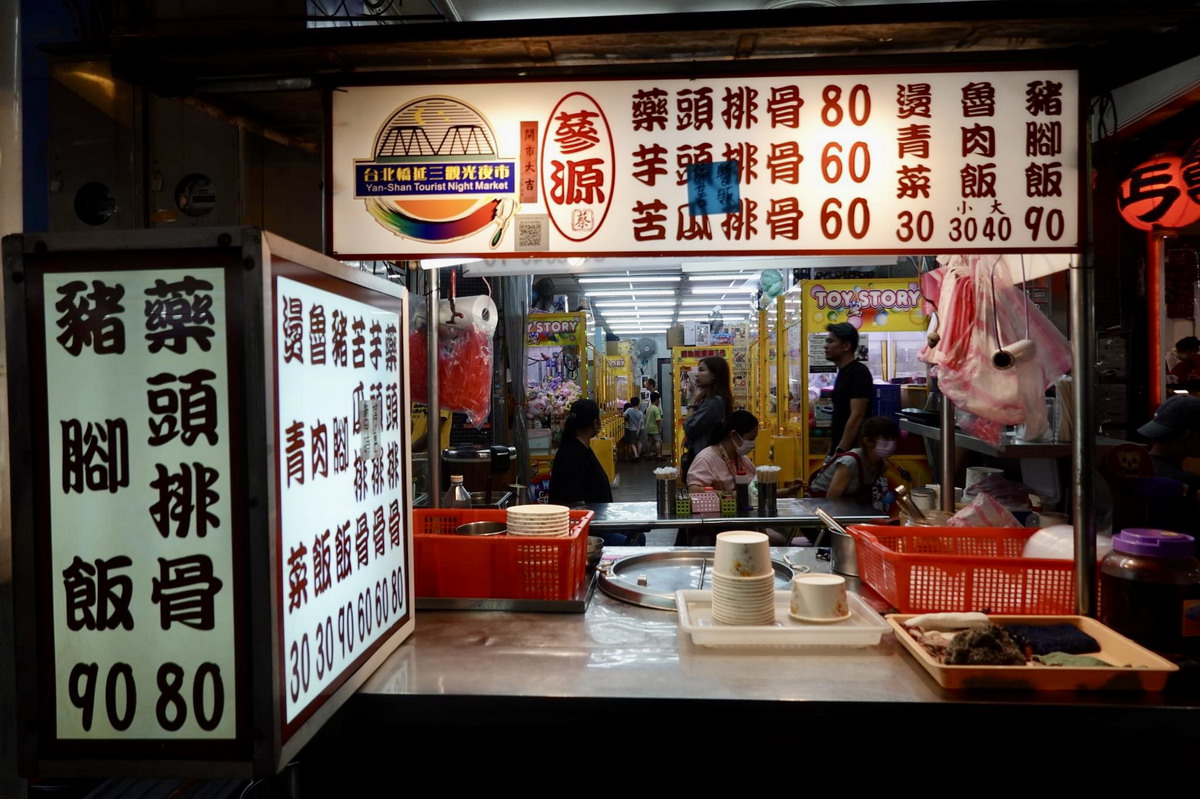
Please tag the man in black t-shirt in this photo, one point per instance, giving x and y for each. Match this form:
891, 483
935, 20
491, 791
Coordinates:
851, 391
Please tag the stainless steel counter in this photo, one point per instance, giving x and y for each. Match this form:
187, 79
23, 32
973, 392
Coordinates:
792, 512
617, 651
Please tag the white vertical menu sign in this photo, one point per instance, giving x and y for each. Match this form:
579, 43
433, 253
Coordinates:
341, 472
141, 528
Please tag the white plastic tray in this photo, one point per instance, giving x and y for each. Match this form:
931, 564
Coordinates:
864, 627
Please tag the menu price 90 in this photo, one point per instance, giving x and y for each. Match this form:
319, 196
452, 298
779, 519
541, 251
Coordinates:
367, 613
178, 694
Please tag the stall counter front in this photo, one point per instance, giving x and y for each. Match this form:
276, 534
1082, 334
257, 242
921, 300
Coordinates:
621, 664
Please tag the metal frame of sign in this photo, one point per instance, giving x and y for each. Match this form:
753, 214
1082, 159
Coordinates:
261, 743
1075, 132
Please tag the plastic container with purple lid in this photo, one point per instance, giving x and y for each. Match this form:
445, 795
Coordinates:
1150, 589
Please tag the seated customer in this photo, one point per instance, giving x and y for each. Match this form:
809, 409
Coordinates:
576, 477
1174, 435
858, 473
724, 465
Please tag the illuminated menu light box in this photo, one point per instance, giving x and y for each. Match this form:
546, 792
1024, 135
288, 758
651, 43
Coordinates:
185, 604
953, 160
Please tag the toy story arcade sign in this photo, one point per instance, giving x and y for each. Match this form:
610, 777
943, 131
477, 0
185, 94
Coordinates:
947, 161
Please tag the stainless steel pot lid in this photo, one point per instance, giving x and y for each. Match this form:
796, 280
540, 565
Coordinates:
651, 580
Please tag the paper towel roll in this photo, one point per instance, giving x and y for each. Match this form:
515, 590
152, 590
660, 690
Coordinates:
478, 311
1007, 356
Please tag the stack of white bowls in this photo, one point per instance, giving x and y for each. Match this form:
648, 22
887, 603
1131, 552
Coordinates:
539, 520
924, 498
743, 579
977, 473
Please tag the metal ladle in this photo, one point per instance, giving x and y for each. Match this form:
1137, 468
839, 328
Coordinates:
908, 505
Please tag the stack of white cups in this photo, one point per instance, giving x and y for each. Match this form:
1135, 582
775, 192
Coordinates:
743, 579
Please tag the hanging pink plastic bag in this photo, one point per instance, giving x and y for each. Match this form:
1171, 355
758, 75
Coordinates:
983, 512
983, 316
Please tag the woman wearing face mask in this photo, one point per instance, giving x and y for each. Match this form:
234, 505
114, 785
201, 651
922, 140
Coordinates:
576, 477
724, 466
858, 473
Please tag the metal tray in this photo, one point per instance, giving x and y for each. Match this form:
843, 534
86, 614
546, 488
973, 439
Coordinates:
651, 580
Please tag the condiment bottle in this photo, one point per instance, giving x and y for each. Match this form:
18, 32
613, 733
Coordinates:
1150, 589
457, 495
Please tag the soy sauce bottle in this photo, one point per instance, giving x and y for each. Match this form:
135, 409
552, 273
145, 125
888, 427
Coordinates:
1150, 590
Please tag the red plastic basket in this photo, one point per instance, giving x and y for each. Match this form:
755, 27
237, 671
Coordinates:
935, 569
496, 566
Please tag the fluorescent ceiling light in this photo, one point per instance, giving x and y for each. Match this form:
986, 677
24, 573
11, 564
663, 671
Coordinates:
734, 303
648, 331
616, 315
725, 290
638, 303
632, 279
742, 276
438, 263
632, 293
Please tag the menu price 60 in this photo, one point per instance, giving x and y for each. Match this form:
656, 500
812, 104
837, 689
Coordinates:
206, 694
370, 609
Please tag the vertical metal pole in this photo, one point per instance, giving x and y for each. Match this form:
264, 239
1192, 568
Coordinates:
948, 454
434, 435
11, 221
1083, 434
1083, 441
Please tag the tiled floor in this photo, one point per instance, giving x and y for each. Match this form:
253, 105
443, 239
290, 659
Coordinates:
637, 485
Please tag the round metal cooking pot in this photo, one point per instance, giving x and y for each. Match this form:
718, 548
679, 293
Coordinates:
843, 553
481, 528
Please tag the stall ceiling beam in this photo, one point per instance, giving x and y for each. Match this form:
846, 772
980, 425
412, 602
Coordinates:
1114, 41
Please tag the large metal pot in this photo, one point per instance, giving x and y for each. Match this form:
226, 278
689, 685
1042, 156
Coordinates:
844, 553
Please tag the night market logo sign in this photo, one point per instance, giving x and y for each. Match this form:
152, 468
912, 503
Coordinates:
436, 175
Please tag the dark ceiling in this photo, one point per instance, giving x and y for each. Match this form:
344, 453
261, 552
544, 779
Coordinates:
273, 78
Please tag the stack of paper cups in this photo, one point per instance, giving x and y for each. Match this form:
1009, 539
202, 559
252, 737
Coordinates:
977, 473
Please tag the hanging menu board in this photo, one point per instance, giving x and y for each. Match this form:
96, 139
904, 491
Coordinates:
141, 535
211, 531
953, 160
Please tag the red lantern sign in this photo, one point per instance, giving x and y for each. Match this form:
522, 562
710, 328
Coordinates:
1155, 195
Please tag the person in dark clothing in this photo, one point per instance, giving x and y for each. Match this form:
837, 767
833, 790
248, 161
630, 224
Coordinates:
713, 402
1187, 371
1174, 435
852, 389
576, 477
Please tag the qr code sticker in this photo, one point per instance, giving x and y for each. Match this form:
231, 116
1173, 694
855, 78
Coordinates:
532, 232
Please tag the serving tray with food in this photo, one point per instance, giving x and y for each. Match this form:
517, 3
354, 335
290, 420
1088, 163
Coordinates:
1042, 653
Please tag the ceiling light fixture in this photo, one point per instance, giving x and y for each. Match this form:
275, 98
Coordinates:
638, 303
632, 279
725, 290
739, 276
631, 293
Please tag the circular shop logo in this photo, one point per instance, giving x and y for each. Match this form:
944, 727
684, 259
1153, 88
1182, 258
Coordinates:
435, 175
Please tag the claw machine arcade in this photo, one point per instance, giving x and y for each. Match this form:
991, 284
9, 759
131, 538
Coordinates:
556, 374
891, 323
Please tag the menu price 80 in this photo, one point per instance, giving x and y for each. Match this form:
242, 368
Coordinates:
366, 612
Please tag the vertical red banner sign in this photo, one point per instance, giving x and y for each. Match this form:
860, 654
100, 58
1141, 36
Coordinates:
529, 162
